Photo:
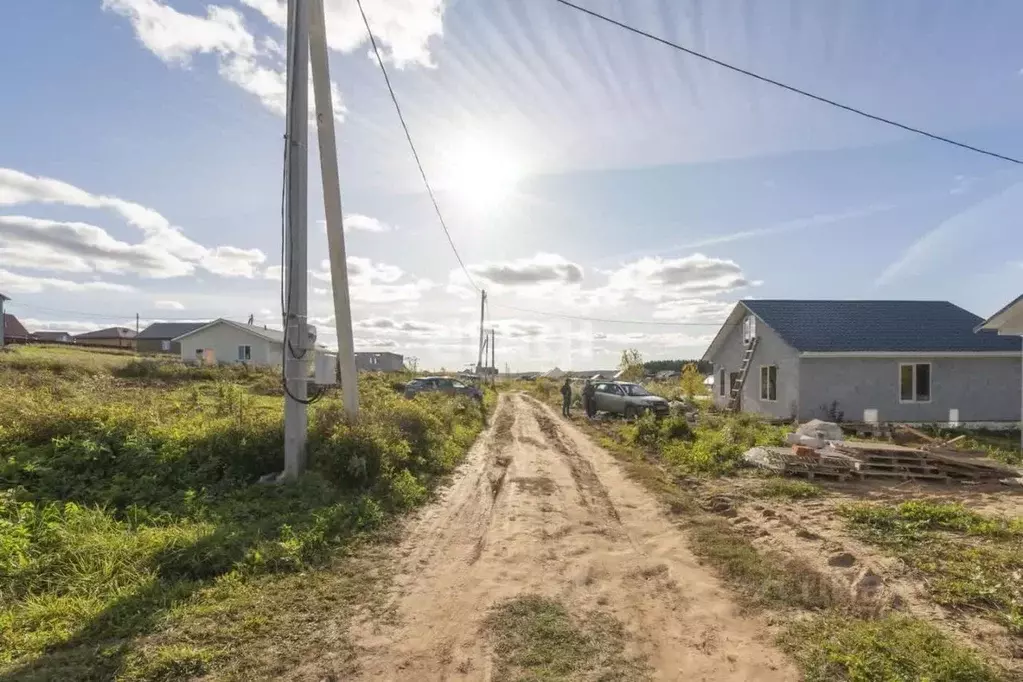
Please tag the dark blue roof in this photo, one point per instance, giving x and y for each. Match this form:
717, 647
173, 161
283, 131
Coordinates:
878, 326
169, 330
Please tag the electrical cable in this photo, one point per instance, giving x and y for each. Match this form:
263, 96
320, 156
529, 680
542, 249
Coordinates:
790, 88
415, 154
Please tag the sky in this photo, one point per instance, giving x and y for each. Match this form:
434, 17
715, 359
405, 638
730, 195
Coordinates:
583, 171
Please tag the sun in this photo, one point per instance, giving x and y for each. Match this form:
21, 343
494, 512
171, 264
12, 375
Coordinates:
482, 172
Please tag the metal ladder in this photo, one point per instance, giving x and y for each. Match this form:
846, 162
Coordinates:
747, 358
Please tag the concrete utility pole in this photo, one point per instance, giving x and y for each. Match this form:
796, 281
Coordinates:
493, 355
297, 338
483, 306
332, 207
2, 320
136, 332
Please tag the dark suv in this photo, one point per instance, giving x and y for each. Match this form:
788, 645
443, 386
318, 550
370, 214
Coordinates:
445, 385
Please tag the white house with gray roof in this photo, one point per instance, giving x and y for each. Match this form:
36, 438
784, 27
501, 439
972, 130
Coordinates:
887, 361
225, 342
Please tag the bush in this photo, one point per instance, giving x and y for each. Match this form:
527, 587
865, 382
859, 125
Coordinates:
119, 500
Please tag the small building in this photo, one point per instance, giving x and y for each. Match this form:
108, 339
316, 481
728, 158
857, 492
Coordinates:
227, 342
887, 361
1006, 322
14, 331
379, 362
111, 337
53, 337
3, 299
554, 373
159, 336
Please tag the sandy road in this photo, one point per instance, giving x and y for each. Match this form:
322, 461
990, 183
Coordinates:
537, 508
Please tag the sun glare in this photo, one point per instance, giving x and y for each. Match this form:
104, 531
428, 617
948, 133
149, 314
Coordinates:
482, 172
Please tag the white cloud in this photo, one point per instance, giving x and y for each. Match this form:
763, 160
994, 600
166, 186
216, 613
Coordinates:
80, 247
165, 251
255, 66
539, 269
230, 261
364, 223
694, 310
369, 282
24, 284
71, 326
168, 305
659, 280
403, 27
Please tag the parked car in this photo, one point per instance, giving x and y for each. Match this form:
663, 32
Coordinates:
627, 399
445, 385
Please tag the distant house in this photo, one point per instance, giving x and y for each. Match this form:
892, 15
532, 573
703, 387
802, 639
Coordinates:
227, 342
159, 336
379, 362
3, 299
667, 375
53, 337
889, 361
554, 373
111, 337
14, 331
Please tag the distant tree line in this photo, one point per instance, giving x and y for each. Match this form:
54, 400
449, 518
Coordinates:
677, 365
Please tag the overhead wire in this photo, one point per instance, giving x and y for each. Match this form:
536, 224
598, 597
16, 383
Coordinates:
785, 86
412, 146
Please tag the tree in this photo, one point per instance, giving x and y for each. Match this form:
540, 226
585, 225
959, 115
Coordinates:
412, 364
692, 381
631, 365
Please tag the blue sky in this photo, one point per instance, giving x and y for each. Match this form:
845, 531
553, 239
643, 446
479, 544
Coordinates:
581, 169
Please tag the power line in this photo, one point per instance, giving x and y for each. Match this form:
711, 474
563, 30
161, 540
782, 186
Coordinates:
790, 88
411, 144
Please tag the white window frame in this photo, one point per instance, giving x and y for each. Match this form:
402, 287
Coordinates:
248, 352
722, 379
165, 346
765, 395
930, 383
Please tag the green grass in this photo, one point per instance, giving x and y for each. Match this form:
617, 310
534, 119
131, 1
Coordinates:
136, 542
890, 649
536, 638
787, 489
971, 561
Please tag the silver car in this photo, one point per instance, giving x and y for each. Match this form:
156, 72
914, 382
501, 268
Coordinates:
445, 385
628, 400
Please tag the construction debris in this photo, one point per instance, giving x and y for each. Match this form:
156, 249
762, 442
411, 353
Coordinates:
812, 456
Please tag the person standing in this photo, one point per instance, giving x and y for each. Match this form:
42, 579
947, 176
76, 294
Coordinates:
566, 398
589, 398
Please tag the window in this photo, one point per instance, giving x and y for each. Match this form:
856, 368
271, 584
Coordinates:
721, 382
601, 388
165, 346
769, 382
374, 360
915, 383
198, 353
458, 384
244, 353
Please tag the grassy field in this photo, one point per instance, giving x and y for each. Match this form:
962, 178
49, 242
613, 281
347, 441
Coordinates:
136, 542
827, 632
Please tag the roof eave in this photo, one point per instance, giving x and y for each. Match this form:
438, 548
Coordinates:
994, 323
738, 312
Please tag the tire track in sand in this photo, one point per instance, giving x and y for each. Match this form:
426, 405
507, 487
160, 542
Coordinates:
564, 523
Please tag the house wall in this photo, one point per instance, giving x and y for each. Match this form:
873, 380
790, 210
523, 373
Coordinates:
156, 346
224, 341
982, 389
106, 343
386, 362
771, 350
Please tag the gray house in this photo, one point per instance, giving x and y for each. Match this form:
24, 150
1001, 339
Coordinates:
887, 361
159, 336
379, 362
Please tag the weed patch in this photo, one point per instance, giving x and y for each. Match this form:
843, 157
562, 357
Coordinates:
787, 489
136, 541
836, 647
970, 560
536, 638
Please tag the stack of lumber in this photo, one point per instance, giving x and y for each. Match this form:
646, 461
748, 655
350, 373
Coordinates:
797, 461
882, 460
853, 459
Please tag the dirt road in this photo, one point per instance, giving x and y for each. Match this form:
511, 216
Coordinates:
538, 508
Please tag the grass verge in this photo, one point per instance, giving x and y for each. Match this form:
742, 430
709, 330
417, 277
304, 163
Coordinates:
536, 638
136, 542
970, 560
